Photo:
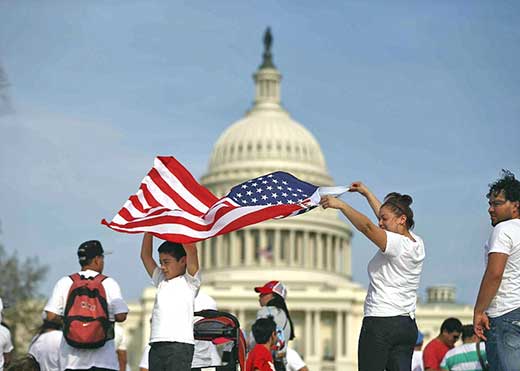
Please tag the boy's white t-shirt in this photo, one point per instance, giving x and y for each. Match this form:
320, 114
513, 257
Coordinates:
505, 239
46, 350
394, 277
172, 315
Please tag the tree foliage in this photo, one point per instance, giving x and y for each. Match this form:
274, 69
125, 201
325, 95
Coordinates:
19, 282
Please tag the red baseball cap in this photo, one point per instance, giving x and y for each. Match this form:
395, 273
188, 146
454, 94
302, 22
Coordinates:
275, 287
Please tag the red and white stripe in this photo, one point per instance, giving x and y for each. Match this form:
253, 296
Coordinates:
173, 206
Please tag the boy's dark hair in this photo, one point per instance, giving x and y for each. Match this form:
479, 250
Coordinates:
508, 184
451, 325
263, 328
467, 331
174, 249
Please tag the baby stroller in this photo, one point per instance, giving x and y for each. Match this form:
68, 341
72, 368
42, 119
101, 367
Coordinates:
222, 328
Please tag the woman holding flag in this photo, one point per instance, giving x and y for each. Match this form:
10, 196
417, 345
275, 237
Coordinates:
389, 332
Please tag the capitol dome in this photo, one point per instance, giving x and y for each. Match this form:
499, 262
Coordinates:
267, 139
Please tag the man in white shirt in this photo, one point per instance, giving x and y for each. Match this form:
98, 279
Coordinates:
91, 260
496, 317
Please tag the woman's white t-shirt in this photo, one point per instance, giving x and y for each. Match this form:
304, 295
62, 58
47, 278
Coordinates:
394, 277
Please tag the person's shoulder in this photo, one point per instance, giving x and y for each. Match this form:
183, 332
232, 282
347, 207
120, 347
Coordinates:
267, 311
263, 312
453, 351
511, 225
110, 280
432, 344
204, 301
64, 282
418, 239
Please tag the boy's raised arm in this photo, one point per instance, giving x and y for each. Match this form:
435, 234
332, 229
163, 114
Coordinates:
147, 255
192, 258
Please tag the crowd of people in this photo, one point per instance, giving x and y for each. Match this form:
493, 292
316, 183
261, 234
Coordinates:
79, 328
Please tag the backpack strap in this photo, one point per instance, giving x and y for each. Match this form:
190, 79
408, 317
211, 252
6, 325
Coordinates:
99, 278
75, 277
480, 358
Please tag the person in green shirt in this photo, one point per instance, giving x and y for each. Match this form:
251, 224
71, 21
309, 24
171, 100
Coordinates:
471, 355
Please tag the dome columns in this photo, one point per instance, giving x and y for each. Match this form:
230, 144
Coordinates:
278, 247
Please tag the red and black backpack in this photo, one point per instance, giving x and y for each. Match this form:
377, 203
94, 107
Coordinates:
85, 320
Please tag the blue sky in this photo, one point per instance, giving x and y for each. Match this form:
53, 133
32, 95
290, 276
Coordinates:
418, 97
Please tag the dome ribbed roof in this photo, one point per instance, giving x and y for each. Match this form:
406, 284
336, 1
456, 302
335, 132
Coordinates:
264, 136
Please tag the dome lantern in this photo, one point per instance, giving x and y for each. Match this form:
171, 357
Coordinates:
267, 79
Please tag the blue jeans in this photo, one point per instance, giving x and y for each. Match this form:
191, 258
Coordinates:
503, 342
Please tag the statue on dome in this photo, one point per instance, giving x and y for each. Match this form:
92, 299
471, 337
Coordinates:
268, 58
268, 40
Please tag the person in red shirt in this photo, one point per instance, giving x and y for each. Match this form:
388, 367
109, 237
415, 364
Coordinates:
438, 347
260, 358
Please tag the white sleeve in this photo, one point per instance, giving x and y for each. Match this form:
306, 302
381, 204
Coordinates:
193, 282
157, 276
144, 358
500, 240
393, 244
294, 361
5, 340
120, 338
58, 299
116, 303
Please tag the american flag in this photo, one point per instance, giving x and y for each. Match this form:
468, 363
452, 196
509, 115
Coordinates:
173, 206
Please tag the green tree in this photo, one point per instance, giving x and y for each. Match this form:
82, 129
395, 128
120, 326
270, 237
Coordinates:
19, 282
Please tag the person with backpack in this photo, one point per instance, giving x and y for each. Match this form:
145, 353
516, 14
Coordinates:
89, 303
272, 302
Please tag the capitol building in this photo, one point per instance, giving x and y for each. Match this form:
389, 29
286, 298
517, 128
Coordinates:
310, 253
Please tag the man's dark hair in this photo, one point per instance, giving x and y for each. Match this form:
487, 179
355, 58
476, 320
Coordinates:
263, 328
174, 249
508, 184
451, 325
467, 331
